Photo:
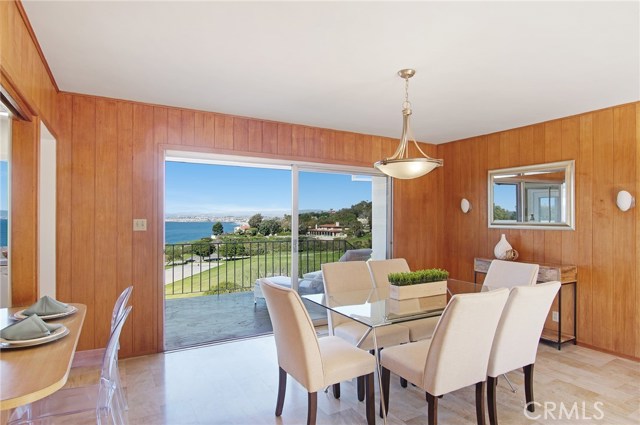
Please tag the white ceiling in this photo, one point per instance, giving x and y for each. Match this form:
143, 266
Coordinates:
481, 66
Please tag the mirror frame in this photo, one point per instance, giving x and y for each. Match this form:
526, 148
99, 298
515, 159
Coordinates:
569, 173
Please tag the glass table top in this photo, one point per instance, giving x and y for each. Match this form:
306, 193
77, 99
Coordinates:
374, 307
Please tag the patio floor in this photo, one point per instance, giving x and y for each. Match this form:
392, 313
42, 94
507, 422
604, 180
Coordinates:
214, 318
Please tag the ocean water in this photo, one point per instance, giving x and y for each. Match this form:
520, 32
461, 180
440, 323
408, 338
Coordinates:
3, 232
178, 231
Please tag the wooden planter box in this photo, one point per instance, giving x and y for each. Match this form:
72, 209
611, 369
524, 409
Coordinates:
416, 305
419, 290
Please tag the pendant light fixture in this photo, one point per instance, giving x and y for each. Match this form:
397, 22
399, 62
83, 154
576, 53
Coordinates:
400, 166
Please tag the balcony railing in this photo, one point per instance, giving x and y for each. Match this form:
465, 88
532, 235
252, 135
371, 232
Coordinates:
216, 267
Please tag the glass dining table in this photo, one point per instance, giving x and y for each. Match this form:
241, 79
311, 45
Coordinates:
373, 308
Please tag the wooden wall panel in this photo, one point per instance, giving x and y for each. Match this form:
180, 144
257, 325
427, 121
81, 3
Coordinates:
24, 212
83, 213
144, 261
64, 186
604, 245
124, 225
106, 213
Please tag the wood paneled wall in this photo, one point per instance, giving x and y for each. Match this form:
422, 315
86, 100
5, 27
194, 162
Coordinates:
605, 245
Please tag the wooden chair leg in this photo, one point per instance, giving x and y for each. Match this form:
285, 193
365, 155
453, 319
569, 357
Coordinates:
432, 409
528, 387
371, 400
336, 390
312, 408
386, 380
492, 383
282, 389
360, 388
480, 402
403, 383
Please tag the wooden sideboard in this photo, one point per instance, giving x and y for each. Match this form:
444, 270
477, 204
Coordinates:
564, 328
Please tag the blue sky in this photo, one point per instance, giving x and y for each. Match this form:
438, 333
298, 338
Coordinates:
225, 190
505, 196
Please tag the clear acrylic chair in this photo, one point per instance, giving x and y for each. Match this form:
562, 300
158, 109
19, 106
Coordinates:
118, 310
99, 399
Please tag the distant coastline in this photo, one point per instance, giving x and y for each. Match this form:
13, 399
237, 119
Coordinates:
185, 231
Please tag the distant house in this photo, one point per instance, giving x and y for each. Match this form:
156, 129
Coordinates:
328, 231
242, 228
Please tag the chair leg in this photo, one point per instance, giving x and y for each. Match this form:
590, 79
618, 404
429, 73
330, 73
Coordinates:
432, 409
282, 388
312, 408
403, 383
336, 390
371, 400
384, 400
492, 383
528, 387
480, 402
360, 388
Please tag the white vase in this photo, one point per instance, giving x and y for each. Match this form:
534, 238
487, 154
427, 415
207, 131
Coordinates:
501, 248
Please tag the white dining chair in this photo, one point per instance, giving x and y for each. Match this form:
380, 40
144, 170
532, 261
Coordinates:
507, 274
380, 269
516, 341
314, 362
353, 276
456, 357
99, 399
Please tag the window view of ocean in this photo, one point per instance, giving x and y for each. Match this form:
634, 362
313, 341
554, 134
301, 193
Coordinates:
185, 231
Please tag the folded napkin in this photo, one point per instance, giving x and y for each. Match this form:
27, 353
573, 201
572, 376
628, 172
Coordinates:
45, 306
30, 328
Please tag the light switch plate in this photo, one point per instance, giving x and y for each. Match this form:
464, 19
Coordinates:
139, 224
554, 316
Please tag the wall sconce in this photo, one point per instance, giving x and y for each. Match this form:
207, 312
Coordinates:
625, 201
465, 205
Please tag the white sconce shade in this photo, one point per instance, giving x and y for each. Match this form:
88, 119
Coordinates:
465, 205
625, 201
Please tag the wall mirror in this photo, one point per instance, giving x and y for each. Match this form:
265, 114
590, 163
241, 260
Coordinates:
537, 196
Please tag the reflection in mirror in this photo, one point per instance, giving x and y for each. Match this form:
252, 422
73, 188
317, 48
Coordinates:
535, 196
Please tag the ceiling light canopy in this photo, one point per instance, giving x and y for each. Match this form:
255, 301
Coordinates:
400, 166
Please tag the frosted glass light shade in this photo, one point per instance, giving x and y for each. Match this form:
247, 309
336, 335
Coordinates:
465, 205
407, 168
625, 200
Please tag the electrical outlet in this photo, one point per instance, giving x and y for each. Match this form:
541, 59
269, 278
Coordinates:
139, 224
554, 316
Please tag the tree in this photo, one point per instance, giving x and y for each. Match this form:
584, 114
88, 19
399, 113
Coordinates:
204, 249
500, 213
255, 220
217, 228
230, 249
269, 227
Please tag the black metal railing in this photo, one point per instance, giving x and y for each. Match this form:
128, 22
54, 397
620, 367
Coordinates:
217, 267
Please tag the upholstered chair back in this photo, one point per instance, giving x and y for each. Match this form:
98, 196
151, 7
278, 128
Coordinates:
461, 343
296, 339
507, 274
380, 270
341, 277
516, 341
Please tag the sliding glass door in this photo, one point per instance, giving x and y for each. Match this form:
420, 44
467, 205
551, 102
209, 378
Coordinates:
267, 219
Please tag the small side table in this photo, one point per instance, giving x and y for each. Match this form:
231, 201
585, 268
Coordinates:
565, 307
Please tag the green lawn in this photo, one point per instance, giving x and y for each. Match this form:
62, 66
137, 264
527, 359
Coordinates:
240, 275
